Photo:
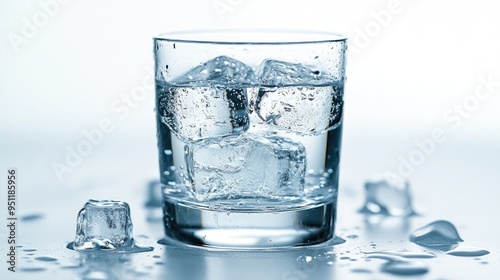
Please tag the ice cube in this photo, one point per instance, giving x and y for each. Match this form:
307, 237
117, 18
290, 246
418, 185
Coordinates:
281, 73
209, 100
221, 70
297, 98
306, 110
388, 197
246, 166
103, 224
439, 235
194, 113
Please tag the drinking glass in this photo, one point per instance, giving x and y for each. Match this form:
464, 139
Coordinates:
249, 128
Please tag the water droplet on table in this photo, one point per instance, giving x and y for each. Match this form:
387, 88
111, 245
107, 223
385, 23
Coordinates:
71, 266
468, 251
46, 259
32, 269
439, 235
360, 270
95, 275
31, 216
405, 268
405, 254
399, 265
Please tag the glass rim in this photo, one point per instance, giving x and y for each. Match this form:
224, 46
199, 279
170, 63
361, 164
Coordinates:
250, 37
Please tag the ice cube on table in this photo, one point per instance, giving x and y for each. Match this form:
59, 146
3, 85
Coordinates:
296, 98
221, 70
103, 224
194, 113
245, 166
388, 197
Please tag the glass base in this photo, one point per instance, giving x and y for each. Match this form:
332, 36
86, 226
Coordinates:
249, 229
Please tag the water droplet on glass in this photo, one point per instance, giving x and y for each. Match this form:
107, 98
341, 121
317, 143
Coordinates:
439, 235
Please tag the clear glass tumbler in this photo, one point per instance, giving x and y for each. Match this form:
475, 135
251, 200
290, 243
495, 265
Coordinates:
249, 131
